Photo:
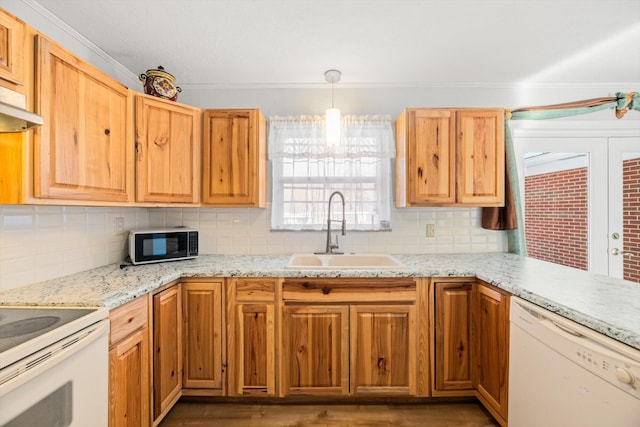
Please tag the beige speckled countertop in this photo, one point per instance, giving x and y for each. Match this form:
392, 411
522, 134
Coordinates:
609, 306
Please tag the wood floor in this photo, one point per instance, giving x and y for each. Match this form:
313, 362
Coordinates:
197, 414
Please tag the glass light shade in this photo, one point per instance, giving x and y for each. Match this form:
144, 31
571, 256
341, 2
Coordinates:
332, 121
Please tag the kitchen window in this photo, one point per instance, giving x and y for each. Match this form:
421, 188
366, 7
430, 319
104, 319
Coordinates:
305, 171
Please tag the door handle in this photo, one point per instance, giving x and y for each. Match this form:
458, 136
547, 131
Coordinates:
616, 251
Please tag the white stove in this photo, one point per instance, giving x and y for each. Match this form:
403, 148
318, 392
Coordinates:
53, 366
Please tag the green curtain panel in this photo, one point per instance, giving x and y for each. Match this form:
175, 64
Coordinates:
512, 214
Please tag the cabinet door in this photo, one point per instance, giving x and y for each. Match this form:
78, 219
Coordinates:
234, 164
84, 150
492, 344
480, 157
202, 335
315, 350
167, 350
452, 348
12, 52
431, 156
383, 349
167, 151
129, 381
255, 363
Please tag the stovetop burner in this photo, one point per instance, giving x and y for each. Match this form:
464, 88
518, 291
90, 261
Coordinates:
21, 324
27, 326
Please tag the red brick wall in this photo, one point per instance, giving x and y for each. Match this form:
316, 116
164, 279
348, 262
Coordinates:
556, 217
631, 218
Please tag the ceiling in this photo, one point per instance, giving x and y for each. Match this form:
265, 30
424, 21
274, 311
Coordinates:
388, 43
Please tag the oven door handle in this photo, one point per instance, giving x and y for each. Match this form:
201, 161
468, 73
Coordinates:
25, 369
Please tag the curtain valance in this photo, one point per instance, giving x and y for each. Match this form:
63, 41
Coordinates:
511, 216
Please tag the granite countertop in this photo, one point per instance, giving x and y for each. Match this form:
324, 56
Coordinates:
609, 306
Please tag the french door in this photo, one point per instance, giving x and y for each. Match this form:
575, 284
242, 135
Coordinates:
624, 218
580, 187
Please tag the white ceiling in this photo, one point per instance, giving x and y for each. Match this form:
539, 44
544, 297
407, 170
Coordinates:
404, 43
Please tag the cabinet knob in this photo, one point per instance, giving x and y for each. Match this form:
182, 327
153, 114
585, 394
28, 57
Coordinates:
107, 132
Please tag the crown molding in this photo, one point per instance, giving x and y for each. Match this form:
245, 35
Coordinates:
95, 49
411, 85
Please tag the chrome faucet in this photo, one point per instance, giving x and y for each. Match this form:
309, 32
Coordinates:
331, 246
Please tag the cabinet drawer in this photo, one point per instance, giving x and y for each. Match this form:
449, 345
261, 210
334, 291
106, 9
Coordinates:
127, 319
349, 290
255, 290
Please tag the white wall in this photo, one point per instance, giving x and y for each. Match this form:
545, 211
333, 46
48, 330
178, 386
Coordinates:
44, 242
391, 100
246, 231
39, 243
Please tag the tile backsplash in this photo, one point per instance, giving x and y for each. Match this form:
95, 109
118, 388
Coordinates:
44, 242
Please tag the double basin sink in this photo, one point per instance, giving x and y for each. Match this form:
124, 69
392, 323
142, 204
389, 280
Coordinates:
342, 262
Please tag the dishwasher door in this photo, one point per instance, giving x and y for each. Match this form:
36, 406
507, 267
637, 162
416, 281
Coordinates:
562, 374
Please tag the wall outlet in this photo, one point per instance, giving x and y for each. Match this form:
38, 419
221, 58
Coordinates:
431, 230
118, 225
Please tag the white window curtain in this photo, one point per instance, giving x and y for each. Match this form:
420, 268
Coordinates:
305, 171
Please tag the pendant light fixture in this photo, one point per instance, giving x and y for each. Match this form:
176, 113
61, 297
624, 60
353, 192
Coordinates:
332, 115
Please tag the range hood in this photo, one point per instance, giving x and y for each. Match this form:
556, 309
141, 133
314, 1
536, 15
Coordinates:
13, 116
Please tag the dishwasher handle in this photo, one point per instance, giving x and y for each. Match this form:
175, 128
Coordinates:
567, 329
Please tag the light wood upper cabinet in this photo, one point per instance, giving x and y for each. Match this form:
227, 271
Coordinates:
167, 350
129, 365
168, 145
234, 158
84, 151
492, 349
480, 157
453, 308
202, 335
450, 157
430, 156
252, 342
12, 50
383, 349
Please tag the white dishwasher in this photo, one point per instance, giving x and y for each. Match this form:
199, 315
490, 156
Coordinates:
566, 375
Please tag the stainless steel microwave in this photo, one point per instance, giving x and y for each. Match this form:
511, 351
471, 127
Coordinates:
159, 245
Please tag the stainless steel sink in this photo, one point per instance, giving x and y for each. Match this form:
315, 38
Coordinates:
342, 262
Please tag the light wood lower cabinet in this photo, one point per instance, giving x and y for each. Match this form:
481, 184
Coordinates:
167, 350
492, 349
251, 349
383, 349
315, 349
471, 343
308, 337
452, 336
129, 365
202, 336
353, 337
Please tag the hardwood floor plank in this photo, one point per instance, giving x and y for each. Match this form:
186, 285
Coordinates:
200, 414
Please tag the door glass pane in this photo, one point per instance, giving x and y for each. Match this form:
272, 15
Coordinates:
631, 216
556, 207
